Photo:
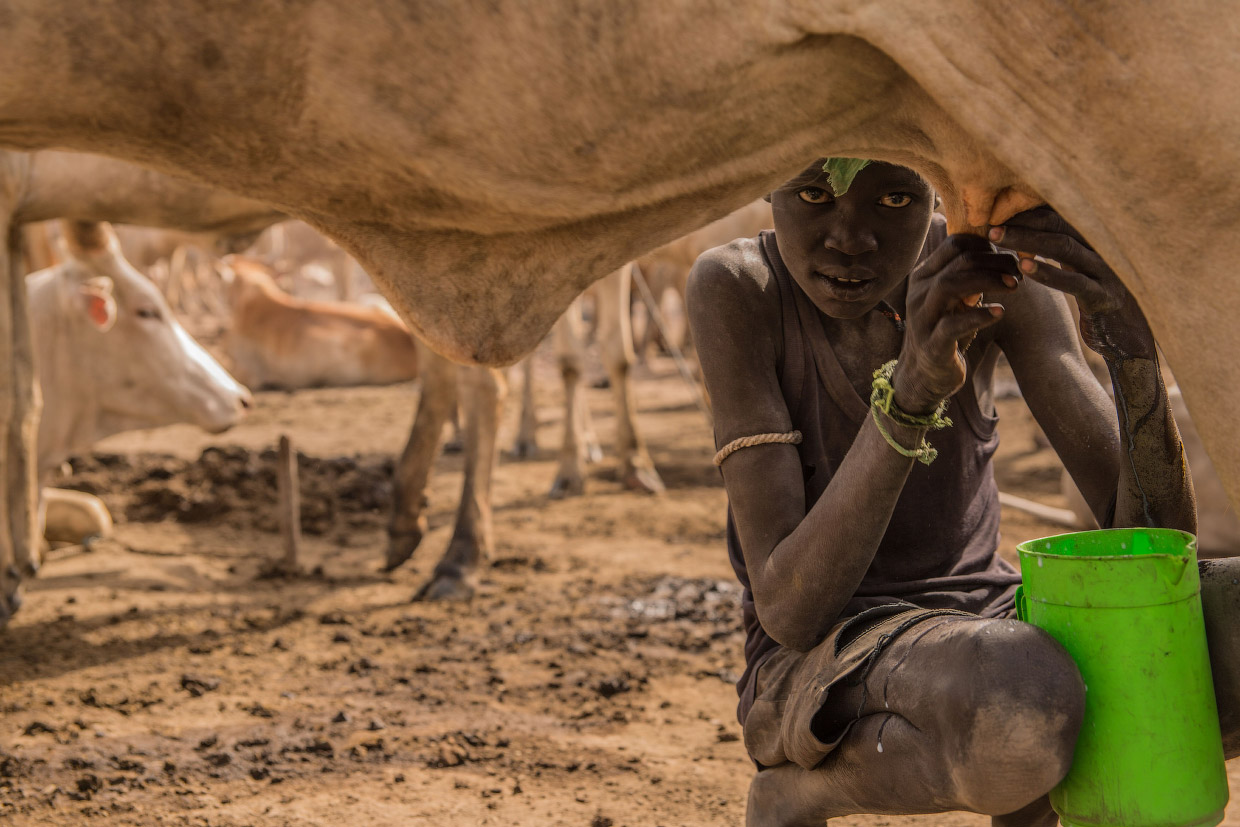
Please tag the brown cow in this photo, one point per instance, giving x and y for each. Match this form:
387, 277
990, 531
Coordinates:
280, 341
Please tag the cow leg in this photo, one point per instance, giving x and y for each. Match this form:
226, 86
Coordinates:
175, 294
482, 392
570, 349
615, 339
19, 420
526, 443
435, 405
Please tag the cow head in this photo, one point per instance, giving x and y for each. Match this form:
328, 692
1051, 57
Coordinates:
119, 358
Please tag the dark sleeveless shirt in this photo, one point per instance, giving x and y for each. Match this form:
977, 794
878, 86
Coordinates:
939, 550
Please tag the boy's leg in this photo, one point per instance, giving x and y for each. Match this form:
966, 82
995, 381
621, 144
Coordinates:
1220, 603
954, 714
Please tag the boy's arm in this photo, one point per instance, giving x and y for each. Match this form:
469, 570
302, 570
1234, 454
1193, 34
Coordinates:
1126, 457
803, 567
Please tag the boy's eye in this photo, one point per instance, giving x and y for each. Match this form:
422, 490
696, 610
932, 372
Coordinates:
814, 195
896, 199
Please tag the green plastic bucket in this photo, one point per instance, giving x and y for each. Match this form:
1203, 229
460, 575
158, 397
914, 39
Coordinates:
1126, 604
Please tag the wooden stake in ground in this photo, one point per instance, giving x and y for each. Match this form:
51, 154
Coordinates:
289, 507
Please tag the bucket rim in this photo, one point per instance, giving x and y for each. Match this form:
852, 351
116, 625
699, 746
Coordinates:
1028, 547
1104, 557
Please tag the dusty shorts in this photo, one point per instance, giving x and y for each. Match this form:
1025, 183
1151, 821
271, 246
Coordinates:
793, 687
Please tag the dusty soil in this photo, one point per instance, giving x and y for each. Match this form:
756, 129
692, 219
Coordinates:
160, 679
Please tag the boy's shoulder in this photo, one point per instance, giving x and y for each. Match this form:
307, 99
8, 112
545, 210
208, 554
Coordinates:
733, 272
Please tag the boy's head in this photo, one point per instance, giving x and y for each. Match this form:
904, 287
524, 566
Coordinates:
849, 252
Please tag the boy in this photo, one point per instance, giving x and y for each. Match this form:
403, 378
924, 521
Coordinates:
885, 672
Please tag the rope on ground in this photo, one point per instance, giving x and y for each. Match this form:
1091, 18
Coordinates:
790, 438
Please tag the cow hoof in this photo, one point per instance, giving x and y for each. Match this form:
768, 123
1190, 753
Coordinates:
644, 479
9, 604
446, 588
454, 446
401, 546
31, 567
524, 448
567, 486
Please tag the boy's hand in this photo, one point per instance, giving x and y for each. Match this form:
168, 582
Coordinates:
945, 310
1112, 323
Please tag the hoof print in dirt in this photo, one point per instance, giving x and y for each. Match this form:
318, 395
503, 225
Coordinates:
86, 787
37, 727
364, 666
197, 685
612, 686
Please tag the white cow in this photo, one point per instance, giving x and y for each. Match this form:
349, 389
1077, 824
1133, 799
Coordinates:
35, 187
110, 357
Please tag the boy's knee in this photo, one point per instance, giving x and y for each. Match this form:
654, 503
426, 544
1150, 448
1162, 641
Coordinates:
1020, 704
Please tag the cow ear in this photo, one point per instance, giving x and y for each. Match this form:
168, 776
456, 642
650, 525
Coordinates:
99, 303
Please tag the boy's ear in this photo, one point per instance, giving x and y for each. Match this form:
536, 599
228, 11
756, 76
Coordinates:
99, 303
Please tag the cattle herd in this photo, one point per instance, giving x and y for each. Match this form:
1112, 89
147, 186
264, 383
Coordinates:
348, 194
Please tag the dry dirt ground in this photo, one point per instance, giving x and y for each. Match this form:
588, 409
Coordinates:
161, 680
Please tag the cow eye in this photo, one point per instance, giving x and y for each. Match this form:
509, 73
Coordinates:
813, 195
896, 199
147, 313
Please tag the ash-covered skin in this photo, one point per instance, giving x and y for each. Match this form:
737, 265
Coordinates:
1113, 326
944, 706
1220, 604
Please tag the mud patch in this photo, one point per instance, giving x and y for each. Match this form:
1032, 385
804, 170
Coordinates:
237, 486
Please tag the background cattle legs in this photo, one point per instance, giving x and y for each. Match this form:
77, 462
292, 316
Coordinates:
580, 445
615, 336
19, 423
481, 394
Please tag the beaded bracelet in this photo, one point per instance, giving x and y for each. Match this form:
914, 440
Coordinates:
882, 400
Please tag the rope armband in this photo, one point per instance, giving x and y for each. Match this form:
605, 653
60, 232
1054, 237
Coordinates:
882, 401
790, 438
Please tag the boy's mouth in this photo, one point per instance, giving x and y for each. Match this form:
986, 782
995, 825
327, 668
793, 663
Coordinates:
845, 283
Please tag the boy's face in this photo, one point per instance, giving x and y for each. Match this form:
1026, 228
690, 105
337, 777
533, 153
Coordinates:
849, 253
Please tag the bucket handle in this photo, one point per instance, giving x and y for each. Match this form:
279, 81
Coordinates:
1022, 608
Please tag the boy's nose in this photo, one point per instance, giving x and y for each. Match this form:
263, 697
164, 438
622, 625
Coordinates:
851, 241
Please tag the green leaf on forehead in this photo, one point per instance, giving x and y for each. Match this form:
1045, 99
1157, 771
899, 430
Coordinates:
841, 172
